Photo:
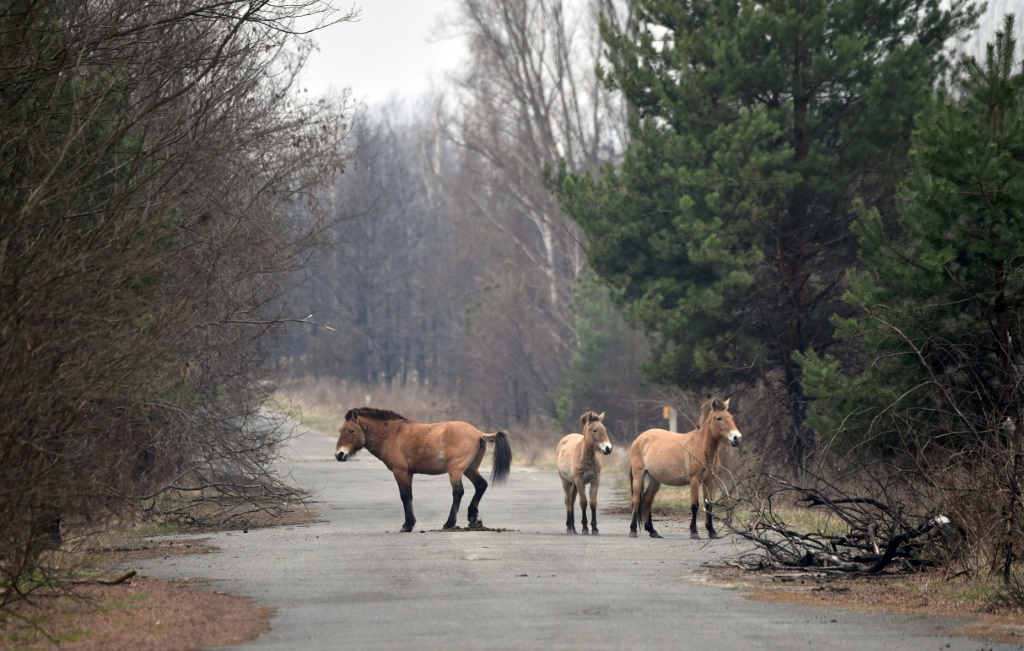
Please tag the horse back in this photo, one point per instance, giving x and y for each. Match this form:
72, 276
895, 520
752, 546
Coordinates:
669, 457
429, 448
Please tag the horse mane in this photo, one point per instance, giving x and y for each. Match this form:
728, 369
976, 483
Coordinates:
379, 414
707, 407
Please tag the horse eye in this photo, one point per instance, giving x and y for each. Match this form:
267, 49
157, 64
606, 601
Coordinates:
718, 418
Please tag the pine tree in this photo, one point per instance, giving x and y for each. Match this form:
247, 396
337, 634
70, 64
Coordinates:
724, 231
941, 305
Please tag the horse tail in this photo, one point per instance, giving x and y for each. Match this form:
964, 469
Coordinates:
631, 491
502, 458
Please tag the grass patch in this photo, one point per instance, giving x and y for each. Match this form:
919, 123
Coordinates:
320, 423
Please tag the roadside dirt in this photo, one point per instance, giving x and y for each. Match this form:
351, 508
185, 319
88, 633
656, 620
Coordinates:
918, 594
142, 613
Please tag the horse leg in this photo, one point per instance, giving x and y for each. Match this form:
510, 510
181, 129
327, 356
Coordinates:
457, 492
635, 480
480, 484
694, 500
593, 505
709, 487
404, 479
570, 518
581, 488
648, 501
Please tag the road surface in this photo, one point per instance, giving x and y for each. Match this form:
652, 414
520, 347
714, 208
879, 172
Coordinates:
353, 582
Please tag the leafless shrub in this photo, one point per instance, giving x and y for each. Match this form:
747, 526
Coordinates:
156, 169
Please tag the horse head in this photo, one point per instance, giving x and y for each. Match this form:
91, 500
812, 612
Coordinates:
352, 438
721, 424
594, 432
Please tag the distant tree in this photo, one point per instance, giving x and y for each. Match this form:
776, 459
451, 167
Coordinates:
526, 97
604, 371
724, 232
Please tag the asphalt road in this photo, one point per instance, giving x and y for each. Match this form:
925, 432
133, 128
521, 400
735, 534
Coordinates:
353, 582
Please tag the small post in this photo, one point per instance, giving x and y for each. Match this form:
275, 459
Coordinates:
672, 416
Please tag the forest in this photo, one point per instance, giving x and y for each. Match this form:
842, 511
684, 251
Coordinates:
813, 207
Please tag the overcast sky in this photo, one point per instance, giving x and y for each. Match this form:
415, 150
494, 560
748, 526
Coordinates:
392, 50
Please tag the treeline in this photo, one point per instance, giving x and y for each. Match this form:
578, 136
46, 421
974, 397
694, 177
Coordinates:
153, 158
462, 273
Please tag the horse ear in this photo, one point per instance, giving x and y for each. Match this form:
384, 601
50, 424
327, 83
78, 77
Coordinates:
601, 417
727, 402
352, 414
716, 405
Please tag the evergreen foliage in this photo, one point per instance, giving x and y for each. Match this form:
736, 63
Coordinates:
724, 231
603, 372
940, 306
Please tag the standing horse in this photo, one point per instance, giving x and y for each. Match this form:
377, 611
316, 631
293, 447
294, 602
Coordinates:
678, 460
579, 465
407, 448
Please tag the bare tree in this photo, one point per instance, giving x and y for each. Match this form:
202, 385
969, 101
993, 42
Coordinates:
151, 160
529, 98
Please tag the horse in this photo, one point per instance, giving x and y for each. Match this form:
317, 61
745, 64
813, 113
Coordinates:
407, 448
680, 459
579, 465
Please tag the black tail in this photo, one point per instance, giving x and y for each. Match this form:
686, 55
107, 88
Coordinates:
630, 482
502, 458
631, 490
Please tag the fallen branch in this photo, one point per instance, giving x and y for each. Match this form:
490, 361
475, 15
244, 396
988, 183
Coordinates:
121, 579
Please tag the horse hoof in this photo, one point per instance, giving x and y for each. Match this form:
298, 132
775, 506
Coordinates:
447, 526
476, 524
406, 529
712, 534
632, 534
585, 531
593, 531
655, 534
694, 535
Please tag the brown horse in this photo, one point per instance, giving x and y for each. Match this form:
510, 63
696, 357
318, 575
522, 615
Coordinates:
407, 447
579, 465
678, 460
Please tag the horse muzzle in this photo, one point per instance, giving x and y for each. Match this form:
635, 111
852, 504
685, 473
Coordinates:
606, 449
341, 456
735, 438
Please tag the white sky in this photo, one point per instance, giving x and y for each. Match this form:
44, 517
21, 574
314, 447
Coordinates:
392, 50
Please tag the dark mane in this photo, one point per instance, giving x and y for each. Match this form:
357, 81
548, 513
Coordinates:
379, 414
